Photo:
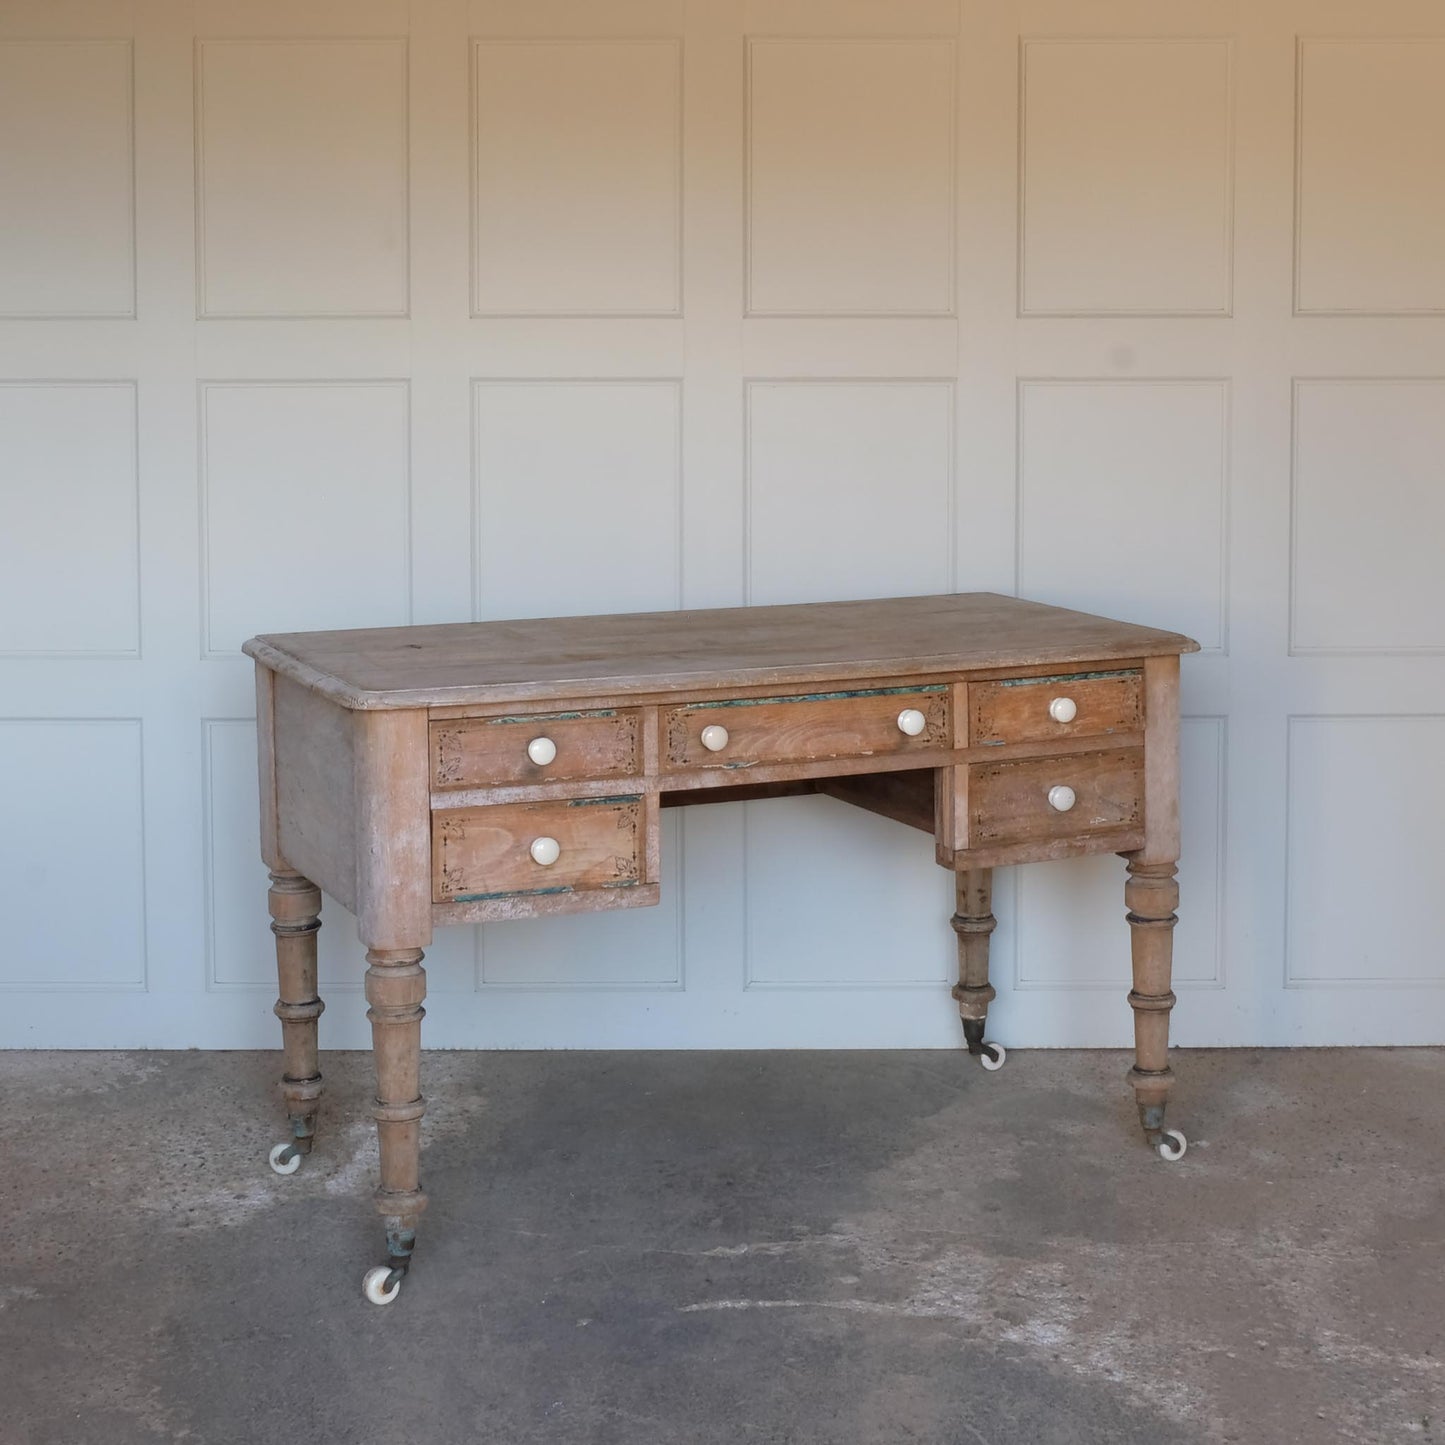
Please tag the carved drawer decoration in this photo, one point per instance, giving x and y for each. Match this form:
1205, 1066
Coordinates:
507, 849
478, 752
1068, 705
1040, 799
807, 727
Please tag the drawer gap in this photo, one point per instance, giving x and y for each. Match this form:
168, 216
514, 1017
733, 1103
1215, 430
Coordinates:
1065, 677
820, 696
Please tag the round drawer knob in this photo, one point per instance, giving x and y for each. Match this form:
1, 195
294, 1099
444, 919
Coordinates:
542, 751
911, 721
1063, 709
714, 737
545, 851
1061, 797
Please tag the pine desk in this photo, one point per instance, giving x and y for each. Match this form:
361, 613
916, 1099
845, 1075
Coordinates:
423, 776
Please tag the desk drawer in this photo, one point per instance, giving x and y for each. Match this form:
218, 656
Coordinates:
1040, 799
1037, 709
502, 849
805, 728
478, 752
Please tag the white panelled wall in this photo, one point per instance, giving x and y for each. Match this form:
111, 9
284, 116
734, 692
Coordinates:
319, 315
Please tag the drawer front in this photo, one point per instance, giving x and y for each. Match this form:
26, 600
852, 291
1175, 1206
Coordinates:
1039, 709
1020, 803
477, 752
488, 852
803, 728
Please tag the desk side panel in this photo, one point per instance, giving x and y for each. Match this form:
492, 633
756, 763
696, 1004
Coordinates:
271, 854
1161, 760
393, 828
313, 745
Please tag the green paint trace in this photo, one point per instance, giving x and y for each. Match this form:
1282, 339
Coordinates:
533, 892
1068, 677
546, 717
822, 696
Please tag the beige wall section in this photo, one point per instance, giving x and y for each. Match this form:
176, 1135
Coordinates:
315, 315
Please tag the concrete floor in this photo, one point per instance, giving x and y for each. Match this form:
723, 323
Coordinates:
770, 1249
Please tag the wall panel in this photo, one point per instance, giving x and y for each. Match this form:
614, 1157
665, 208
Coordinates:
67, 173
70, 505
850, 182
301, 176
1126, 185
577, 184
327, 316
75, 815
1370, 227
1368, 514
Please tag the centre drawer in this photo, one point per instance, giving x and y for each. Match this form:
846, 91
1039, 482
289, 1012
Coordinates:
807, 727
478, 752
1039, 799
1040, 709
552, 847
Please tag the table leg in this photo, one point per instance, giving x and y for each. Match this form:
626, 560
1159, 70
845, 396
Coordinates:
973, 922
395, 988
1152, 895
295, 904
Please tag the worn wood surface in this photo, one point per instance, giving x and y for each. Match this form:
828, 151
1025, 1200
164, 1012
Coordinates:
395, 989
316, 788
806, 728
485, 752
295, 906
507, 907
393, 830
1018, 712
266, 768
641, 652
974, 923
478, 852
1009, 802
1152, 896
905, 797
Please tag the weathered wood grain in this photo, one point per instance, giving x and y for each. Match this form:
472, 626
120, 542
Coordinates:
860, 724
482, 752
1018, 711
661, 652
393, 829
478, 853
316, 788
905, 797
1009, 802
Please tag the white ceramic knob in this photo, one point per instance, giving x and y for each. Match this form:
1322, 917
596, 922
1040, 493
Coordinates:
911, 721
1061, 797
542, 751
1063, 709
714, 737
545, 851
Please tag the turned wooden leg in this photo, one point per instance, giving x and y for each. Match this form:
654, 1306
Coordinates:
973, 922
295, 904
395, 988
1152, 895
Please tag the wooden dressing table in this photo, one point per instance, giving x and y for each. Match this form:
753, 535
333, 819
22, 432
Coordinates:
423, 776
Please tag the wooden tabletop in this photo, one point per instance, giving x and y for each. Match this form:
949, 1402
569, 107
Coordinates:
652, 652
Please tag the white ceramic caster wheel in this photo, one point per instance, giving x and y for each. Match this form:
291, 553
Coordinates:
1172, 1145
992, 1056
374, 1285
284, 1165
